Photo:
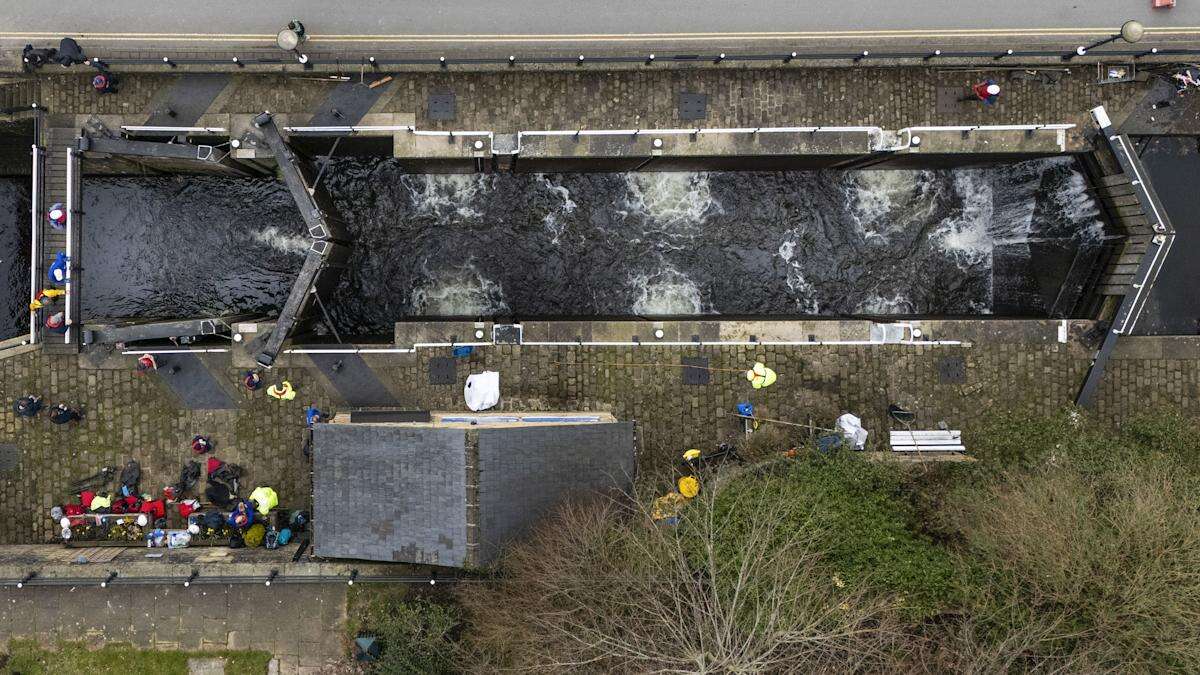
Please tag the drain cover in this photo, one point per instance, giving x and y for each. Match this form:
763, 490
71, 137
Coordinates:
698, 373
507, 334
10, 457
952, 370
441, 106
441, 370
693, 106
948, 99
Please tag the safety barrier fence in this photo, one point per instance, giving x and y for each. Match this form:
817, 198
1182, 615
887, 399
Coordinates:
381, 59
877, 140
37, 208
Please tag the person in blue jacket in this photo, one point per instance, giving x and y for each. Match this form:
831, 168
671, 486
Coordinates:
58, 269
242, 515
313, 416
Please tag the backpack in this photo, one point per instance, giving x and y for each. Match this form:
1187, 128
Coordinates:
218, 494
236, 541
213, 520
131, 475
271, 539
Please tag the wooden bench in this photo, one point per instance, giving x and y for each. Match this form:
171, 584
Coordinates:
927, 441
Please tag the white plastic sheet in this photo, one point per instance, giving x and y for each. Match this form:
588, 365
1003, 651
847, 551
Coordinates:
482, 390
851, 428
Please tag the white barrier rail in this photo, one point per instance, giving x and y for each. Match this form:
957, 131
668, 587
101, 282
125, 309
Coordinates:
69, 281
37, 204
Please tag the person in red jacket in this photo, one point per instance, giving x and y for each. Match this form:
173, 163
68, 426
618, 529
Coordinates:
986, 91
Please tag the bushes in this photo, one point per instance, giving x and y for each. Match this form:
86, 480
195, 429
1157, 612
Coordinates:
417, 633
600, 589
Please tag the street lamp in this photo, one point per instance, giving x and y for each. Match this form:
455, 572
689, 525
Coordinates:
1131, 31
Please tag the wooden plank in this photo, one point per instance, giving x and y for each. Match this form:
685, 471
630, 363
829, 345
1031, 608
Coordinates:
940, 448
1115, 179
1123, 200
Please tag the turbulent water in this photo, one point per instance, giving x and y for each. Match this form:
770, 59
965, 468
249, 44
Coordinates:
742, 243
14, 256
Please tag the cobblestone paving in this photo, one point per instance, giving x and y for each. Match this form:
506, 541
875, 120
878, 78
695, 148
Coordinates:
505, 102
129, 416
301, 625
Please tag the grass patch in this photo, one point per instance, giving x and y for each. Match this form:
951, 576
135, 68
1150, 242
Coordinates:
27, 658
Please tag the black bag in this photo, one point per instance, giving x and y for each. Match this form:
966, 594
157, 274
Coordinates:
131, 475
271, 539
218, 494
236, 541
213, 520
298, 521
188, 477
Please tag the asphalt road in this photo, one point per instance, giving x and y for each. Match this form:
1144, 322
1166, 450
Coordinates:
608, 25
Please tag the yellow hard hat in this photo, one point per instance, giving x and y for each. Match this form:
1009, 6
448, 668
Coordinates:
691, 455
689, 487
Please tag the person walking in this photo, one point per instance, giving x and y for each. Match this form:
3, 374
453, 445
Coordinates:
986, 92
64, 414
27, 406
56, 323
201, 444
252, 380
104, 82
146, 363
313, 416
58, 216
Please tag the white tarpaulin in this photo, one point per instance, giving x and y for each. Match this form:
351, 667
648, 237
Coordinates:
851, 428
483, 390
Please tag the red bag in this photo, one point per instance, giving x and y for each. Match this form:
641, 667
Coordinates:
155, 508
187, 507
214, 464
86, 498
73, 509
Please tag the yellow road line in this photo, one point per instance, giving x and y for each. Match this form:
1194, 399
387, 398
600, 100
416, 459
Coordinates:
605, 37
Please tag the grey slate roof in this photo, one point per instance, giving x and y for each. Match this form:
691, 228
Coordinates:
390, 493
524, 472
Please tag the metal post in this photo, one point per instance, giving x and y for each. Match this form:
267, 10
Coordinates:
238, 62
442, 61
931, 55
1079, 51
191, 578
26, 579
167, 60
789, 57
650, 60
1150, 52
720, 58
862, 56
371, 60
108, 580
1003, 54
512, 60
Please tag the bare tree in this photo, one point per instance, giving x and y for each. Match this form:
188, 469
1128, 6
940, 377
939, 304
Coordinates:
735, 587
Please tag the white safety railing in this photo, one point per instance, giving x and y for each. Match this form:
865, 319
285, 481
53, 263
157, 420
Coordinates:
69, 282
37, 205
173, 130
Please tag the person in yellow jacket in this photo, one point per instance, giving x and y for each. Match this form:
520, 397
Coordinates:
282, 391
264, 499
760, 375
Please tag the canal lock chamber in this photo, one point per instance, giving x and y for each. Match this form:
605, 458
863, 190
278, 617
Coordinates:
597, 231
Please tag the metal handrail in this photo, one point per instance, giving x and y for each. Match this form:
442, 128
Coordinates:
37, 204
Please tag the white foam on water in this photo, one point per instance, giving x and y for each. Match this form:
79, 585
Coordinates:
1077, 206
281, 241
804, 294
666, 292
677, 201
445, 194
966, 234
460, 292
884, 202
896, 304
553, 222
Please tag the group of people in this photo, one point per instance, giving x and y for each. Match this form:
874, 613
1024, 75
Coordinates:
32, 405
68, 54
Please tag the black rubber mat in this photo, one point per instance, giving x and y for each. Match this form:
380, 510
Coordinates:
378, 416
346, 104
354, 380
696, 370
182, 103
442, 370
192, 382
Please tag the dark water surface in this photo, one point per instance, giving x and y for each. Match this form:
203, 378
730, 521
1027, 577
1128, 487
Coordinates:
578, 245
1174, 305
14, 256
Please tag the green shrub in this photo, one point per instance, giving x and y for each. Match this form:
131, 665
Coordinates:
869, 532
417, 633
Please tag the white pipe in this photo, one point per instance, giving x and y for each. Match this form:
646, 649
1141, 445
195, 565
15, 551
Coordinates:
201, 350
35, 253
69, 280
182, 130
